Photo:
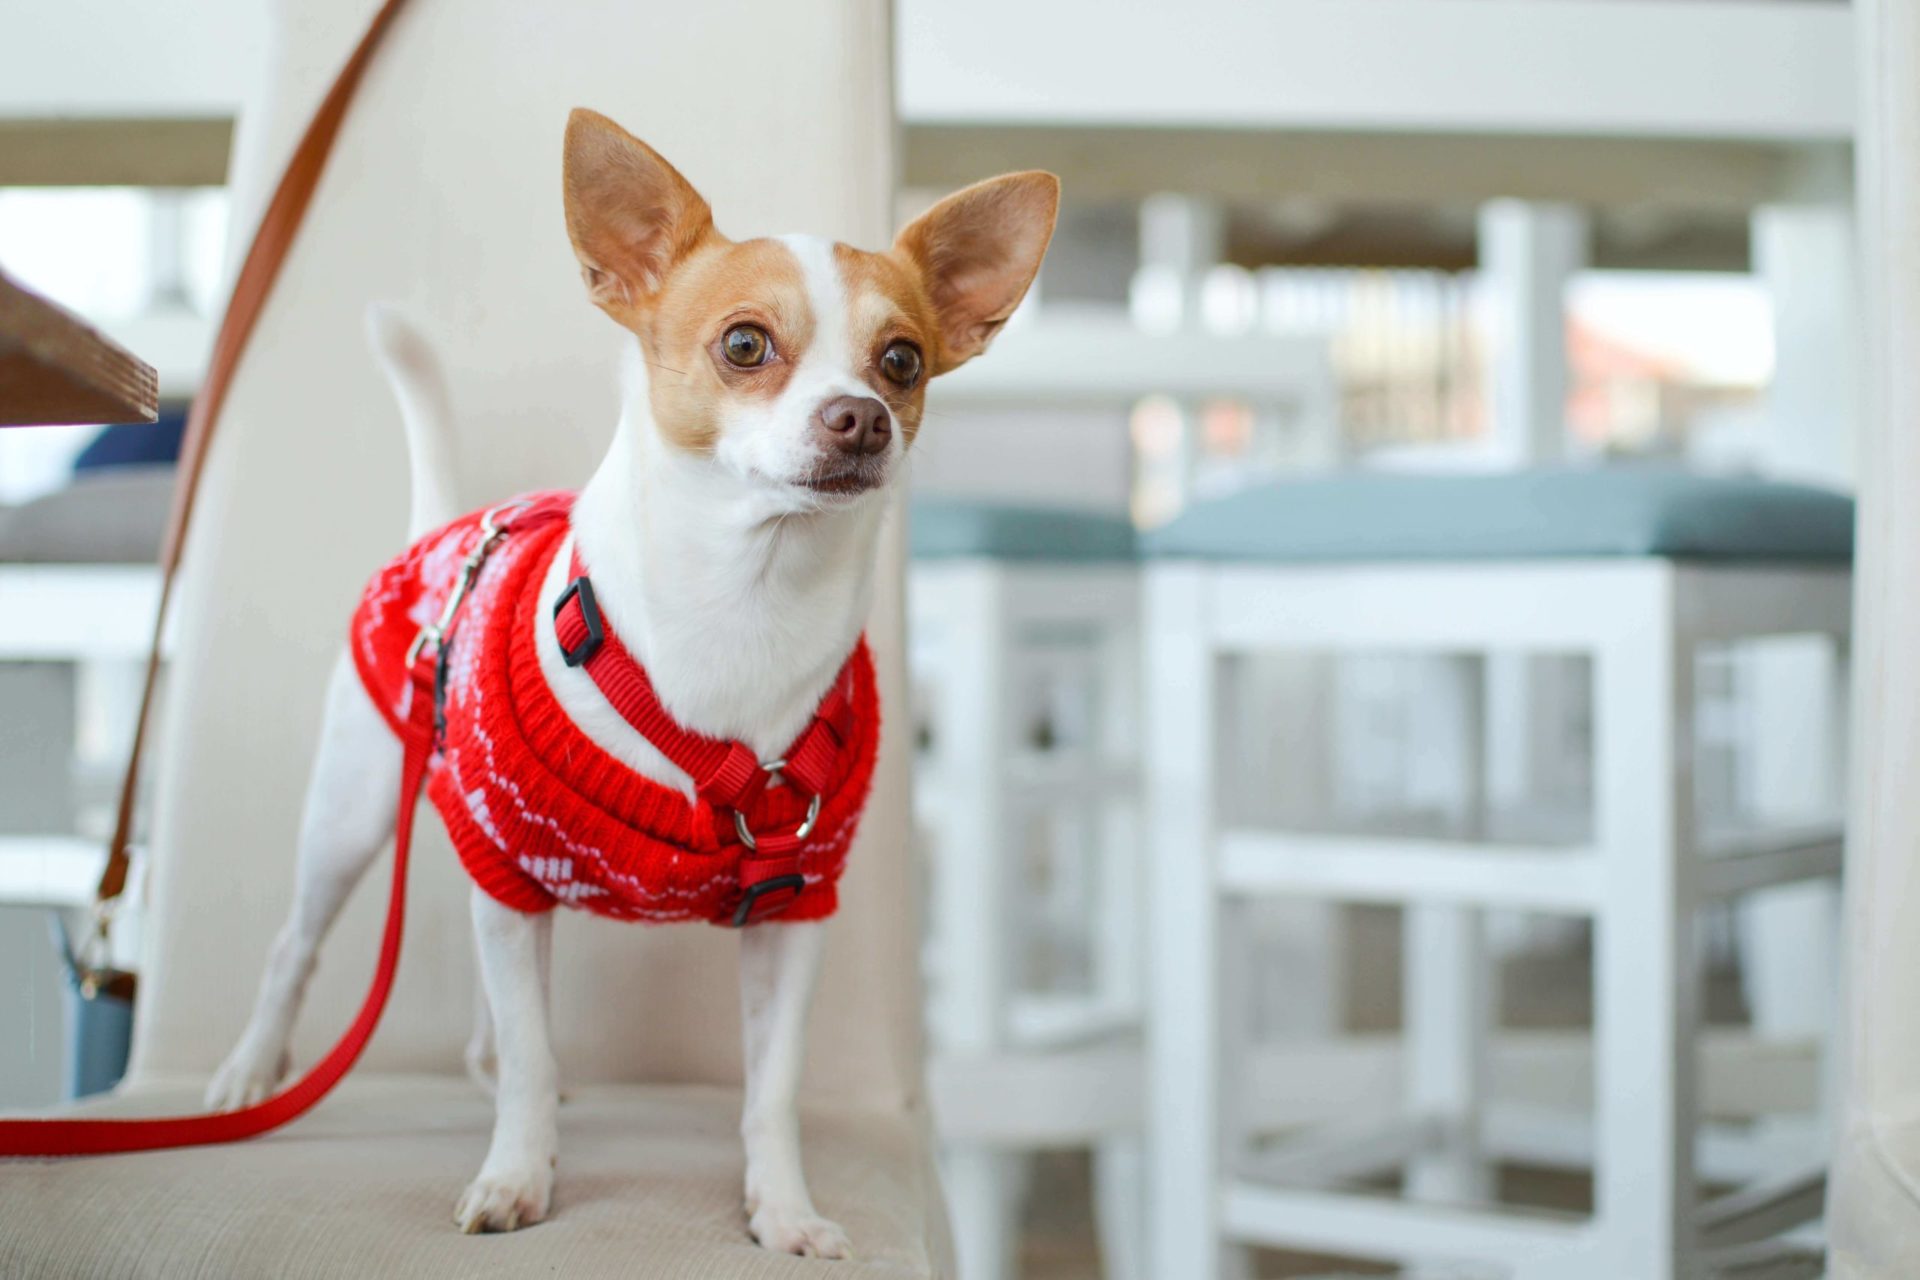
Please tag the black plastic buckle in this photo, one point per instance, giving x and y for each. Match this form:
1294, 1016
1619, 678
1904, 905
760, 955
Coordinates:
589, 613
743, 914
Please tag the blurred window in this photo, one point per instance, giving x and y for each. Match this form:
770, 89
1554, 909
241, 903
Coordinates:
1667, 363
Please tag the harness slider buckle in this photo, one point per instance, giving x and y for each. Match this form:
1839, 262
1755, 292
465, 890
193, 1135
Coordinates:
596, 635
743, 915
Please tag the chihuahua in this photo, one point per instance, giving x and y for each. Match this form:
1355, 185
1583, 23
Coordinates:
773, 388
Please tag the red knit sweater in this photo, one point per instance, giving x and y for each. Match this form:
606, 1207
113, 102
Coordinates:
540, 814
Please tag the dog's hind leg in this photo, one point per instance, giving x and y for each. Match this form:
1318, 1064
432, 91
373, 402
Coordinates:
515, 1185
351, 799
778, 964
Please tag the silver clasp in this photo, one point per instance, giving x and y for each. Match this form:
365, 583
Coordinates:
492, 530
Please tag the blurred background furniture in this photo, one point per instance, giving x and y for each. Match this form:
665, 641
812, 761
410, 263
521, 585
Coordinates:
1025, 663
1638, 571
1460, 205
77, 595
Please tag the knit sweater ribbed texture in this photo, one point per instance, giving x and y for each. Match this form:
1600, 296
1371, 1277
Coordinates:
539, 813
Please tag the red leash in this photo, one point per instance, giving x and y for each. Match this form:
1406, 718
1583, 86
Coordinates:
252, 287
91, 1137
770, 874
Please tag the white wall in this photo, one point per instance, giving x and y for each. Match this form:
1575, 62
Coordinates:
1778, 68
1729, 69
181, 59
1058, 457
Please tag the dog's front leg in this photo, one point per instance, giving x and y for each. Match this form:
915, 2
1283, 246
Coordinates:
515, 1184
778, 963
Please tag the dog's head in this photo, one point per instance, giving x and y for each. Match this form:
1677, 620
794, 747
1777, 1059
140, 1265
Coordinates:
796, 363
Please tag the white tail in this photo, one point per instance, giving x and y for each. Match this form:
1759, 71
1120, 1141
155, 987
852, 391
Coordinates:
421, 388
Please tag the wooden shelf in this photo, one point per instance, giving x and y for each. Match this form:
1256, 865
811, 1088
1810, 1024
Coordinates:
55, 368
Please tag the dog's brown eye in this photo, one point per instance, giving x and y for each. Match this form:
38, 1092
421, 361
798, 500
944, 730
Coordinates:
746, 346
901, 363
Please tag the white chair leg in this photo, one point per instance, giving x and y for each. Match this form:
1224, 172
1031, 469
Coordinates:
1183, 978
1790, 967
986, 1222
1788, 941
1448, 1027
970, 870
1646, 965
1118, 921
1235, 959
1119, 1163
971, 844
1788, 935
1119, 1205
1447, 981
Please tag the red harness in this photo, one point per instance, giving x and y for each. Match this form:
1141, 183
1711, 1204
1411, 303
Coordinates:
444, 695
540, 814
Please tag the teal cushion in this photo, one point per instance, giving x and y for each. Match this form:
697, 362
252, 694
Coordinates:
1599, 511
947, 527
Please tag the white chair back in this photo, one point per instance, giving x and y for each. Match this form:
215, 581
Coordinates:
443, 194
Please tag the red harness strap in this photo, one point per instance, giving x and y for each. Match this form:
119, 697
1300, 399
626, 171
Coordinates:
727, 774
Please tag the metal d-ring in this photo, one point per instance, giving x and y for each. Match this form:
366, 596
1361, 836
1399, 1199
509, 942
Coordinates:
806, 826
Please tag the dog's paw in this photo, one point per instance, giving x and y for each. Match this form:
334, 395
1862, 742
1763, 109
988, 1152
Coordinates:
246, 1077
505, 1200
807, 1234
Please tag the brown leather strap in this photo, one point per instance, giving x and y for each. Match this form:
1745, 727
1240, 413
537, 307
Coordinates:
251, 288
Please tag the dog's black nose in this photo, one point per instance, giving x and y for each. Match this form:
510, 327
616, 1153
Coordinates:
854, 424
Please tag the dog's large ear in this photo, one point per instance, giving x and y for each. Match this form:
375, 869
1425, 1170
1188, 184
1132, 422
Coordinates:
977, 251
630, 214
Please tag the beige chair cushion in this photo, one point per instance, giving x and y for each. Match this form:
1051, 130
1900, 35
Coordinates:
364, 1186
